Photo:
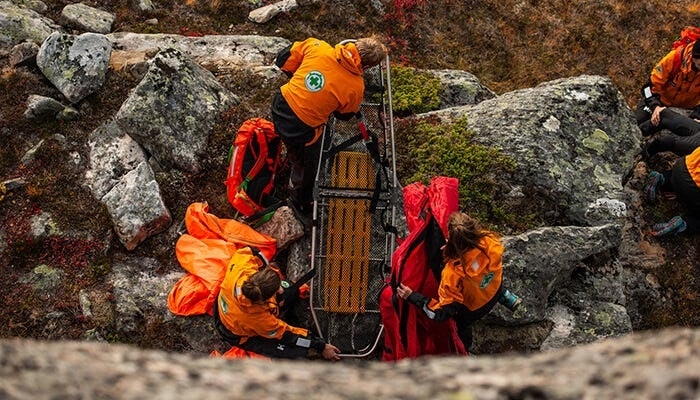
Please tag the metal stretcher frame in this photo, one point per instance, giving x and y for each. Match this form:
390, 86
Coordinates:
355, 198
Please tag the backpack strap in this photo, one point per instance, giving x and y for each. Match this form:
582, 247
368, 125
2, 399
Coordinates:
261, 160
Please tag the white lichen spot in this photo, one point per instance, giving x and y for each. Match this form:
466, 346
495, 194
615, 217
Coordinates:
552, 124
579, 96
614, 207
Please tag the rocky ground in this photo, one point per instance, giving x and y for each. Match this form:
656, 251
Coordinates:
652, 365
67, 275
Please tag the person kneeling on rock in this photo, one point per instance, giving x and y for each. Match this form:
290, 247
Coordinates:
246, 313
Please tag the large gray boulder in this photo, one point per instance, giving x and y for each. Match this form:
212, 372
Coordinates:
136, 207
649, 365
76, 65
573, 141
538, 262
86, 18
213, 52
19, 24
558, 309
113, 154
173, 110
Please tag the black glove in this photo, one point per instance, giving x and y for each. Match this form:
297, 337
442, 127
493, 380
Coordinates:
289, 293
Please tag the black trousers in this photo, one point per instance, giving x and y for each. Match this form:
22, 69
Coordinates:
688, 194
680, 145
466, 317
303, 160
303, 163
679, 124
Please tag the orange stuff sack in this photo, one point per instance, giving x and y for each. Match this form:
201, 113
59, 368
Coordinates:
204, 252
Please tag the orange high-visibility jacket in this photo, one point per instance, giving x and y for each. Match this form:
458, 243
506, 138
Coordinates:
204, 252
325, 79
681, 90
474, 279
692, 162
241, 316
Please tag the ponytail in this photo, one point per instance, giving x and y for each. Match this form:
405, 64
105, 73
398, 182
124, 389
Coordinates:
261, 285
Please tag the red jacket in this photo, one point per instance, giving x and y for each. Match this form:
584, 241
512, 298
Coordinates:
324, 80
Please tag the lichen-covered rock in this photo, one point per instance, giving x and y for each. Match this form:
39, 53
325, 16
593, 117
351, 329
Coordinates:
213, 52
86, 18
136, 207
139, 291
460, 88
46, 107
144, 6
649, 365
284, 227
573, 140
600, 320
537, 262
44, 278
113, 154
266, 13
19, 24
23, 54
173, 110
76, 65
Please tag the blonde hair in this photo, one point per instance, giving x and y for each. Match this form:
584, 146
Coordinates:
261, 285
372, 51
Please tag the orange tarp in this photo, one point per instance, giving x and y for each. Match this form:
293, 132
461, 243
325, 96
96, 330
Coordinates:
204, 253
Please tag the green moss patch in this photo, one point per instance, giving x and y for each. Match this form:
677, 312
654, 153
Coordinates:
432, 149
414, 92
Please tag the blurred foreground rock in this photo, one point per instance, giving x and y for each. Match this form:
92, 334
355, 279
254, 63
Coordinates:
650, 365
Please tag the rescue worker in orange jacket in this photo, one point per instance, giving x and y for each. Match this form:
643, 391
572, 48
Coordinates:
324, 80
684, 180
674, 82
246, 312
471, 280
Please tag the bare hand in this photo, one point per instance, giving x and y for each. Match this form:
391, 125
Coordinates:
656, 115
403, 291
330, 352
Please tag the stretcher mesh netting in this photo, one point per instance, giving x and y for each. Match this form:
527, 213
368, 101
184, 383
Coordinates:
354, 209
